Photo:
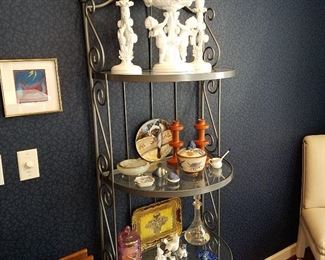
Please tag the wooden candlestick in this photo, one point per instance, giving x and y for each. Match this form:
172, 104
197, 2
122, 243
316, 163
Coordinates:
201, 126
176, 143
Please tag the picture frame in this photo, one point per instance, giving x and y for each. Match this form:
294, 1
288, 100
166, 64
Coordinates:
157, 221
30, 86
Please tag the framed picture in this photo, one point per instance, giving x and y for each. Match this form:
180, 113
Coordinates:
30, 87
157, 221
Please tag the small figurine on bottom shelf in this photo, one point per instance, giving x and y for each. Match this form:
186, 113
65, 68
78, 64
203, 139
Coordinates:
172, 245
170, 256
207, 255
129, 245
160, 254
182, 251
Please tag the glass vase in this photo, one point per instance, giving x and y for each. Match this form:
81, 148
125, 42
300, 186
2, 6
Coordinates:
197, 234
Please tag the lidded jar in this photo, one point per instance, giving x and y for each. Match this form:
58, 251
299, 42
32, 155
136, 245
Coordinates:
192, 160
129, 245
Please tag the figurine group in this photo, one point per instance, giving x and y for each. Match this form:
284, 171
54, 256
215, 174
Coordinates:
172, 249
171, 36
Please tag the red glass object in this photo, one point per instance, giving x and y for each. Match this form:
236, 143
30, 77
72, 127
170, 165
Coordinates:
129, 245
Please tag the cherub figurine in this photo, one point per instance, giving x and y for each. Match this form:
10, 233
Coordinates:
187, 30
157, 30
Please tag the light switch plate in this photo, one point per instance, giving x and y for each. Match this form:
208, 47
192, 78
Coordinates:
2, 181
28, 164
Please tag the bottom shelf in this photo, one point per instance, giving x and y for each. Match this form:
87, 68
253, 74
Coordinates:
193, 251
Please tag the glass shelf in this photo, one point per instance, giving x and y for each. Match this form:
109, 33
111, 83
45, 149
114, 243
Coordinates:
205, 181
148, 76
213, 245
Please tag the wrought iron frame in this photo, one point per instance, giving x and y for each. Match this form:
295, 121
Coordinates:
209, 85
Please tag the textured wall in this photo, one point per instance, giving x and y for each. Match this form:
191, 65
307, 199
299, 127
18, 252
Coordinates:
276, 98
51, 216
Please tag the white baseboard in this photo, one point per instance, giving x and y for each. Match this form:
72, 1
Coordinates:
284, 254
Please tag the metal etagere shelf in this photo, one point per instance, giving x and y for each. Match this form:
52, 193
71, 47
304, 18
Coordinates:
108, 178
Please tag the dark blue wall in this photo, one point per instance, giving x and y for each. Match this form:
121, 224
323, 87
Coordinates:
51, 216
276, 98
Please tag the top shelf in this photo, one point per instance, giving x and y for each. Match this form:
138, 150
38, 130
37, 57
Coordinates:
148, 76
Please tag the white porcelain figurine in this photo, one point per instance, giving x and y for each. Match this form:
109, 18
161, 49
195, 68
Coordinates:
170, 256
127, 38
171, 36
182, 251
173, 244
186, 31
160, 254
199, 39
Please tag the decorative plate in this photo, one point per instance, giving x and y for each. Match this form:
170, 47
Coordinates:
152, 140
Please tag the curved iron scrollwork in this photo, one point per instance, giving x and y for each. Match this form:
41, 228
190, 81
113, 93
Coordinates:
210, 220
213, 245
106, 196
103, 165
211, 54
106, 201
212, 86
212, 144
96, 52
99, 93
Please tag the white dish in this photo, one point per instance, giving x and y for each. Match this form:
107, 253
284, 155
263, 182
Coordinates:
133, 167
144, 181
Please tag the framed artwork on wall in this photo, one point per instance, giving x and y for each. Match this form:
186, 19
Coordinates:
30, 86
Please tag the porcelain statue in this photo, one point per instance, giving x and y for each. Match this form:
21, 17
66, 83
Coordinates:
173, 244
126, 38
199, 38
185, 33
182, 251
171, 36
160, 254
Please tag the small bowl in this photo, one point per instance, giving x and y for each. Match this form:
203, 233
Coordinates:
144, 181
133, 167
191, 160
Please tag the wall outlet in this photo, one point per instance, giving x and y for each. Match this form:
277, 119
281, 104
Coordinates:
28, 164
2, 180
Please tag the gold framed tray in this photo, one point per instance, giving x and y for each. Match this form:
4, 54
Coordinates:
157, 221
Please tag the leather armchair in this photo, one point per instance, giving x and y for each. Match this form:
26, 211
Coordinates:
312, 211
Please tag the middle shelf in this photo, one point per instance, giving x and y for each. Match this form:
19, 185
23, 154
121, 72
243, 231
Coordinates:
205, 181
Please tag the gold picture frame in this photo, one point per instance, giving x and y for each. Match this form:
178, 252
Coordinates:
157, 221
30, 86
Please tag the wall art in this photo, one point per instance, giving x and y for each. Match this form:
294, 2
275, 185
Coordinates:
30, 86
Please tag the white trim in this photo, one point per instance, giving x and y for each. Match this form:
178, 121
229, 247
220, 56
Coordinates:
284, 254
